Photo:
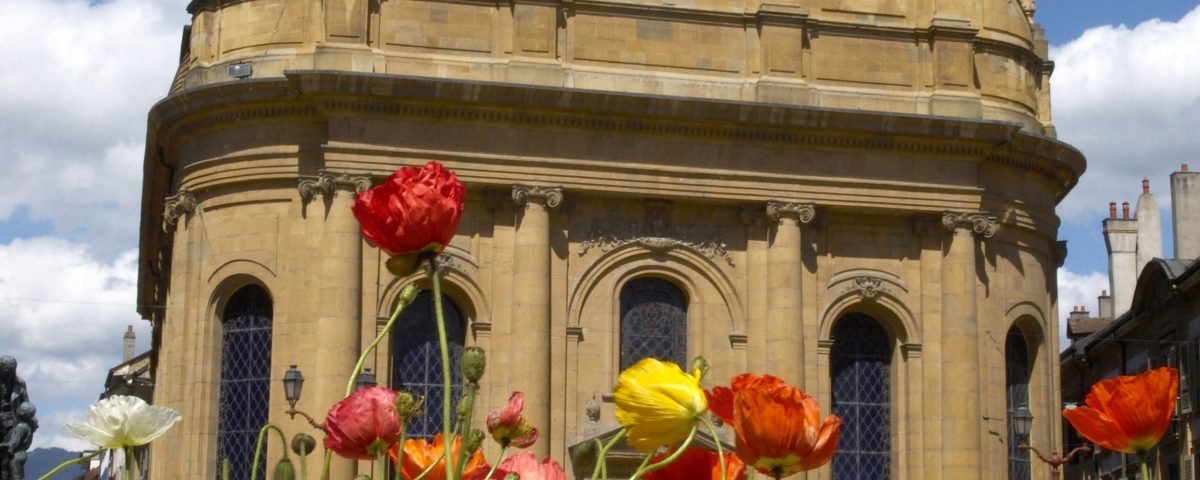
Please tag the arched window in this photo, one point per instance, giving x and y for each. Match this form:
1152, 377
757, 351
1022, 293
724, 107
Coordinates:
653, 322
859, 369
417, 359
1016, 381
245, 378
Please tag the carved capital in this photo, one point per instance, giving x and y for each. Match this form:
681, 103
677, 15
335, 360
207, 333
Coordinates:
327, 183
799, 212
548, 196
1059, 253
978, 222
177, 205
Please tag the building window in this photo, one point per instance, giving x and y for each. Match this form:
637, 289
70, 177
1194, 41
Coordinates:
1016, 381
245, 378
417, 359
653, 322
860, 364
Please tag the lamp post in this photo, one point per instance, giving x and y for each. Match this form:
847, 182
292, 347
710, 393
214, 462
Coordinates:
1022, 423
365, 379
293, 383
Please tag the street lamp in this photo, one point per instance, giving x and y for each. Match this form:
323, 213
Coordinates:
1022, 420
365, 379
293, 383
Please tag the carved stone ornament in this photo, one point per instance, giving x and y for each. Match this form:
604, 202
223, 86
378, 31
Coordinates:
177, 205
1060, 253
522, 194
592, 410
800, 212
979, 222
868, 288
444, 262
620, 231
327, 183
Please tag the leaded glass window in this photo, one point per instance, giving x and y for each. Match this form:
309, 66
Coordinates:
417, 360
245, 378
860, 373
1016, 381
653, 322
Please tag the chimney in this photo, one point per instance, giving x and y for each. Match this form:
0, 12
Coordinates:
1105, 305
128, 344
1185, 212
1149, 228
1120, 236
1078, 313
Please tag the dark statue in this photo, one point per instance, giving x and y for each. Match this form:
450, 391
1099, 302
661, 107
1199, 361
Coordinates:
17, 422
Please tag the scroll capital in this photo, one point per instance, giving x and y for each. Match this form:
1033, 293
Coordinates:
979, 223
327, 183
549, 196
799, 212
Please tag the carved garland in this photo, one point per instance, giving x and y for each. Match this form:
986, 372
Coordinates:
178, 205
606, 241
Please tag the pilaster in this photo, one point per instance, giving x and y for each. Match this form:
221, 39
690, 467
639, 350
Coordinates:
785, 335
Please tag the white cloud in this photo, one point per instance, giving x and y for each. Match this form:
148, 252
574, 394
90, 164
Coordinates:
1077, 289
64, 318
77, 81
1129, 98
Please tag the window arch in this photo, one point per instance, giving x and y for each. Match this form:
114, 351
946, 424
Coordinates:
417, 359
1016, 382
245, 378
653, 322
860, 364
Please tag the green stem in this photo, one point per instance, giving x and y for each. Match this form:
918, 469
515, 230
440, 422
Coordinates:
70, 462
666, 461
445, 348
426, 471
602, 452
379, 464
464, 426
304, 467
362, 357
258, 447
128, 451
496, 463
1142, 467
325, 466
716, 441
400, 452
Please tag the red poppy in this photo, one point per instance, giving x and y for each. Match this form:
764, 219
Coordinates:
778, 427
364, 424
1129, 413
419, 454
508, 427
527, 466
698, 464
414, 210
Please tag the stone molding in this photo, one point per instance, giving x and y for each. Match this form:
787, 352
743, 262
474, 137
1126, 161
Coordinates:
738, 341
655, 233
910, 350
979, 223
549, 196
326, 183
800, 212
175, 206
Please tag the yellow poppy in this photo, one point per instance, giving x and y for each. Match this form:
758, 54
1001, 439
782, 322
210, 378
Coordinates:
658, 403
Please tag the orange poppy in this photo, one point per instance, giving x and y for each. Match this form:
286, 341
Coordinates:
1129, 413
779, 428
419, 454
698, 464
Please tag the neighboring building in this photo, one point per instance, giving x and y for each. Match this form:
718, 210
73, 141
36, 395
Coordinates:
132, 376
856, 196
1161, 326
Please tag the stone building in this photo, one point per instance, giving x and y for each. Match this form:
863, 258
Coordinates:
857, 196
1151, 319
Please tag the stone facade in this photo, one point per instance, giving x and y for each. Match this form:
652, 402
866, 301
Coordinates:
784, 165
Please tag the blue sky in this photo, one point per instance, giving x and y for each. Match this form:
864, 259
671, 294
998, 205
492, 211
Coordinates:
79, 77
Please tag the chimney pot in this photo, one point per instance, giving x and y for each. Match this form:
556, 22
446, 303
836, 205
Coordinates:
1145, 185
1112, 209
1104, 293
1125, 210
1183, 168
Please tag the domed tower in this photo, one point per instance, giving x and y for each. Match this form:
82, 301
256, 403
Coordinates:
854, 195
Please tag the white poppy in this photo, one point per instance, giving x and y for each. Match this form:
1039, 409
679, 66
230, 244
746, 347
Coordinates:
123, 421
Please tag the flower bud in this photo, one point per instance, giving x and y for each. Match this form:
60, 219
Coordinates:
512, 476
699, 367
473, 441
284, 470
409, 293
407, 406
303, 444
465, 404
473, 362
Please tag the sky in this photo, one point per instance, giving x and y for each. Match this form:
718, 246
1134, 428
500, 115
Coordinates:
77, 78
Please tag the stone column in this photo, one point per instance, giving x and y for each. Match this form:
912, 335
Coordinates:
340, 290
530, 334
962, 414
785, 338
